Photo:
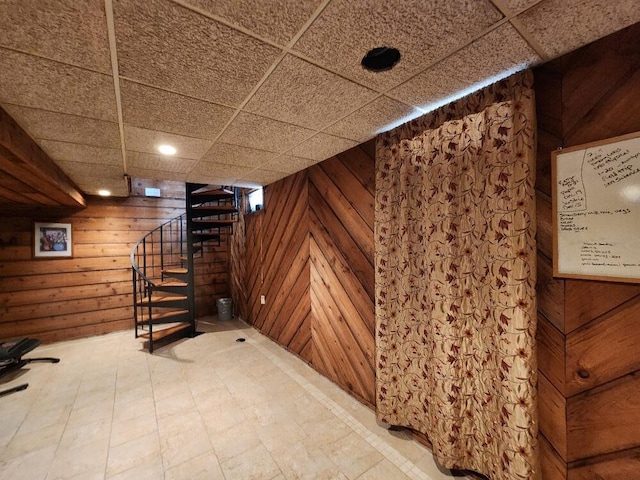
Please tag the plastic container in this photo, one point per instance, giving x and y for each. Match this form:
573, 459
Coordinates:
225, 309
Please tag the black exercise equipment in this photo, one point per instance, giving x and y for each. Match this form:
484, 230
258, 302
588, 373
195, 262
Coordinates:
11, 352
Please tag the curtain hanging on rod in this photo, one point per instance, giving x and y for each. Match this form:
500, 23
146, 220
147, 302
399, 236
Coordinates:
455, 280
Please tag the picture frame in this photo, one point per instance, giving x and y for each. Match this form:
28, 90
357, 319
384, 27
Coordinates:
52, 240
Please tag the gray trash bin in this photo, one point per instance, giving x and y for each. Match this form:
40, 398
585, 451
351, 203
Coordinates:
225, 309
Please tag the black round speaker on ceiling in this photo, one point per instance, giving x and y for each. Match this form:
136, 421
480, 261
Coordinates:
380, 59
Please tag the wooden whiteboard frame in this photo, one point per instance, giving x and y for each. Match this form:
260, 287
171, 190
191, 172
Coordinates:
555, 214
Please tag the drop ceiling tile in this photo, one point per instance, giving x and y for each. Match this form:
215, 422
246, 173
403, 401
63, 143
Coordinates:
213, 172
75, 152
277, 20
264, 133
424, 32
45, 125
157, 109
168, 46
236, 155
288, 164
157, 174
144, 140
147, 161
81, 171
372, 119
322, 146
501, 50
68, 31
561, 26
517, 6
40, 83
300, 93
260, 177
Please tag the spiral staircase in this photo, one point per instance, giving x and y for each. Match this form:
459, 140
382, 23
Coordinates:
163, 261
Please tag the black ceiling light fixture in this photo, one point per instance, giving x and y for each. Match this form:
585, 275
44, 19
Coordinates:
380, 59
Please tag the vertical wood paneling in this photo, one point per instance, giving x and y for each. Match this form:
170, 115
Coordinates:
91, 293
588, 95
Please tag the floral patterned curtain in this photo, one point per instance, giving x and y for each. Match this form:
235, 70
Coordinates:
455, 280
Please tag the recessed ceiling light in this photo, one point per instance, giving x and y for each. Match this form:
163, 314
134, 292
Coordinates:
104, 193
380, 59
167, 149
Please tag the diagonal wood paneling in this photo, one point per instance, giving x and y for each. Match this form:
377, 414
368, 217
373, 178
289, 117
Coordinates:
310, 252
277, 265
341, 204
587, 333
237, 261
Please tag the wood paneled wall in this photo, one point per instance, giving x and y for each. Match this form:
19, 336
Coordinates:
278, 265
310, 252
341, 201
237, 260
90, 294
588, 332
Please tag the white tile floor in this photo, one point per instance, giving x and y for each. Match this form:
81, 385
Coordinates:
202, 408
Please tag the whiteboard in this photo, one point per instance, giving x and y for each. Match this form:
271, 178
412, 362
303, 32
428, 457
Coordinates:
596, 205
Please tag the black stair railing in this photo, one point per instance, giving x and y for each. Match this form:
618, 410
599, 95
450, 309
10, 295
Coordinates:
159, 251
162, 262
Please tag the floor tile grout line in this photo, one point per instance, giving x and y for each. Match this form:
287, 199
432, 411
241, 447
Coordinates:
386, 450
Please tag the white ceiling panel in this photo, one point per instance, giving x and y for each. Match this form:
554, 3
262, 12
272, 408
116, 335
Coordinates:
249, 91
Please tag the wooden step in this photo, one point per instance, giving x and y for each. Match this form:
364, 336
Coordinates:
171, 286
211, 196
166, 335
207, 224
175, 271
165, 317
172, 283
209, 210
178, 273
169, 301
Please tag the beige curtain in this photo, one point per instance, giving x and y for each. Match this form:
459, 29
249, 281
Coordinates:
455, 280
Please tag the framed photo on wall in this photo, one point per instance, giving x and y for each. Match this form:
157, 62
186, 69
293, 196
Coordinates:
52, 240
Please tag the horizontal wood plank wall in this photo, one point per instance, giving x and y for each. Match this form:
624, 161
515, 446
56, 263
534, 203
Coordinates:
90, 294
589, 362
341, 201
277, 265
